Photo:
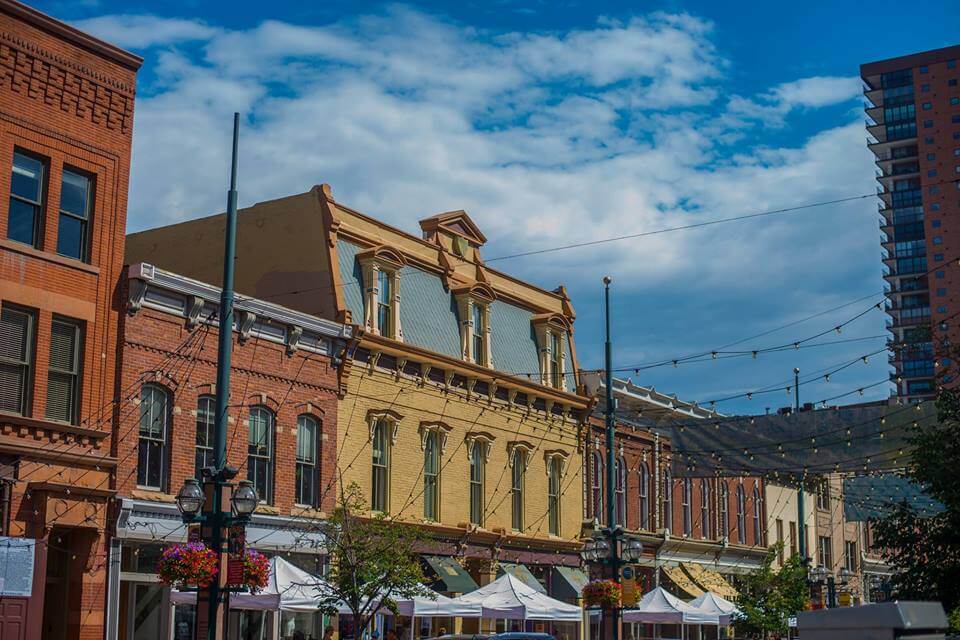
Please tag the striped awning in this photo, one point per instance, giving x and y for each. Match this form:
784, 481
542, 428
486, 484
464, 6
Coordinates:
682, 581
709, 580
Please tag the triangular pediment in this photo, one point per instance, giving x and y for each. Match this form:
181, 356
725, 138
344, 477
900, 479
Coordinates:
456, 223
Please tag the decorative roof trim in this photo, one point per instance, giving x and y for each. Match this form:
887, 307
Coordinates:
148, 274
445, 221
382, 253
479, 290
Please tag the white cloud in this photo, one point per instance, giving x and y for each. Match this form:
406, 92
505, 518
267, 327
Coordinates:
546, 139
814, 92
145, 31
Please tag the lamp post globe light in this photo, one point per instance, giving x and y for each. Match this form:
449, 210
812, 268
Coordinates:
190, 498
245, 499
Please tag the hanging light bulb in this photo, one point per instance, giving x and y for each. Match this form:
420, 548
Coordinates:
750, 396
826, 377
713, 354
837, 329
860, 391
865, 359
788, 389
796, 345
754, 355
674, 364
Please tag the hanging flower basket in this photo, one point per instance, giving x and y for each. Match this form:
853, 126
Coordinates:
191, 564
602, 593
256, 570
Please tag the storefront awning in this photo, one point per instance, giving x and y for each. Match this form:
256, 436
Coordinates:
709, 580
450, 576
682, 581
521, 573
567, 583
161, 523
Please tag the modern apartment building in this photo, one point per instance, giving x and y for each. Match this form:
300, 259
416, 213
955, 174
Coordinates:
66, 123
913, 120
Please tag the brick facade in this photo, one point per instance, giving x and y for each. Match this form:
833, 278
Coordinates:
263, 374
66, 100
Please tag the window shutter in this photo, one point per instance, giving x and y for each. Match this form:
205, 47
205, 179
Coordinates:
61, 379
14, 359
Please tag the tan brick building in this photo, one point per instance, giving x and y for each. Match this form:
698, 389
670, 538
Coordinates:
462, 412
66, 117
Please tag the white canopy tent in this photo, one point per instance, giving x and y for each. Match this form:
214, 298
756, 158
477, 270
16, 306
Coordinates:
441, 607
661, 607
711, 603
509, 598
289, 588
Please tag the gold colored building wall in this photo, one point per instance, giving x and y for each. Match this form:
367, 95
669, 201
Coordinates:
379, 390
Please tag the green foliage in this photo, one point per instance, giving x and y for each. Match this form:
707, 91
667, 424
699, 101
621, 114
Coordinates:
769, 597
924, 548
954, 620
373, 561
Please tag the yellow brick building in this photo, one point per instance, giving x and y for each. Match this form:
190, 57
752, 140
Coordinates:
462, 410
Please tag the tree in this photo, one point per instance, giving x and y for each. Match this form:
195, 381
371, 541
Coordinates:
769, 597
373, 561
923, 544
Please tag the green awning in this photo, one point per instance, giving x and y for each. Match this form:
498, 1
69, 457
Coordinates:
567, 583
449, 576
521, 573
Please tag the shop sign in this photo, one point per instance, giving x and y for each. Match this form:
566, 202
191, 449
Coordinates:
628, 585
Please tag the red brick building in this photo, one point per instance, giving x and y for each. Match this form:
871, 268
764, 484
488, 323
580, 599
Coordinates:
66, 118
282, 435
698, 533
913, 110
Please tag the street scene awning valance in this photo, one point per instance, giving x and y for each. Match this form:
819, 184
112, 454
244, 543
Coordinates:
567, 583
682, 581
709, 580
160, 522
521, 573
448, 576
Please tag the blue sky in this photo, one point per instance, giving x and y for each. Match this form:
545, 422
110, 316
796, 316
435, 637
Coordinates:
552, 123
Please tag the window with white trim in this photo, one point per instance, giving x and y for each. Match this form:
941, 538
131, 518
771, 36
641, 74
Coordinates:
644, 497
431, 476
308, 455
478, 469
206, 414
554, 474
261, 425
519, 464
153, 453
380, 464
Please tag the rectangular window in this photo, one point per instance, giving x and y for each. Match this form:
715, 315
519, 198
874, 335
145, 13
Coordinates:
793, 539
553, 496
850, 556
556, 362
431, 477
153, 455
825, 552
63, 377
928, 124
954, 100
308, 439
477, 473
206, 410
384, 304
479, 334
516, 490
687, 507
76, 195
260, 452
16, 359
380, 466
780, 540
26, 199
952, 82
924, 68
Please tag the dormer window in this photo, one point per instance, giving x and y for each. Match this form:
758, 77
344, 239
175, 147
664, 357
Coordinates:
473, 304
552, 331
385, 302
381, 276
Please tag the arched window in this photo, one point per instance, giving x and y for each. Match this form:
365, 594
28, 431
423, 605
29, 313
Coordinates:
687, 506
706, 522
431, 476
666, 498
516, 489
553, 494
741, 515
206, 410
380, 465
153, 454
724, 509
308, 455
757, 517
597, 487
478, 452
620, 476
644, 497
260, 452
